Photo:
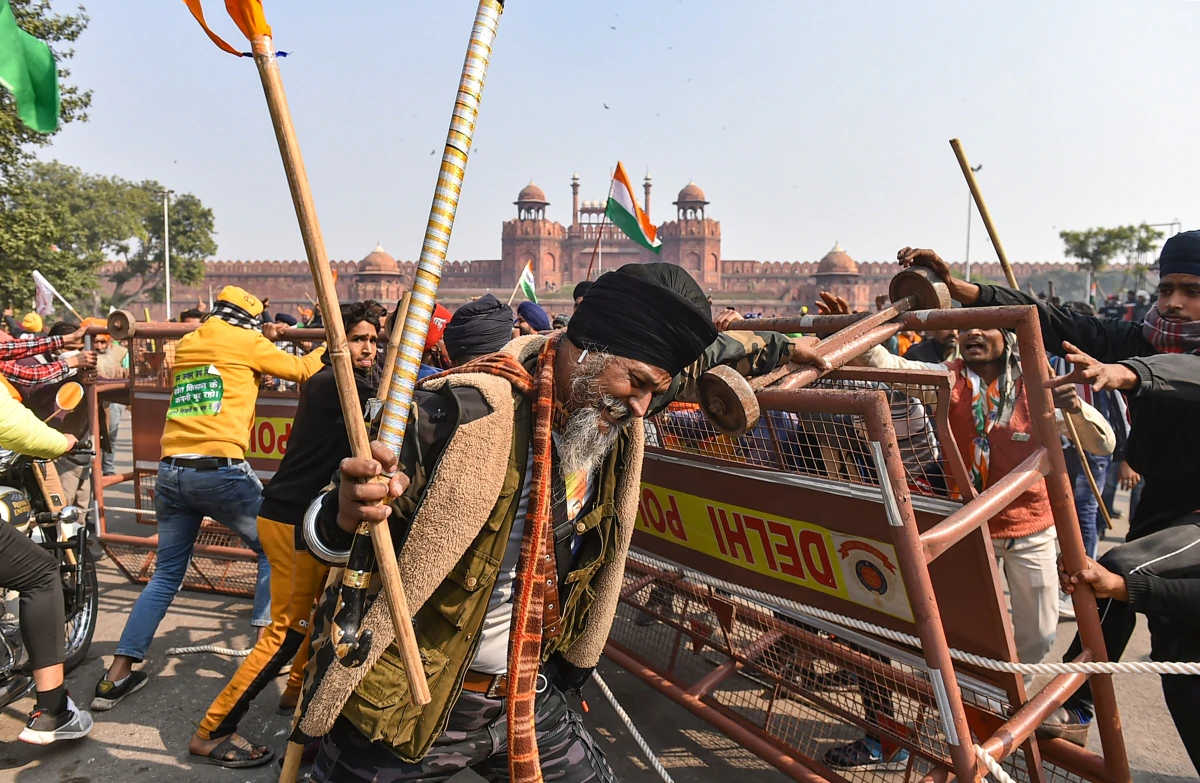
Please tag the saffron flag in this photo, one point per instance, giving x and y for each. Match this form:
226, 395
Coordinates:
27, 69
527, 283
247, 14
624, 212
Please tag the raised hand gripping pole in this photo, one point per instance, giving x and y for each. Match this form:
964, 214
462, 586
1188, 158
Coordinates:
335, 335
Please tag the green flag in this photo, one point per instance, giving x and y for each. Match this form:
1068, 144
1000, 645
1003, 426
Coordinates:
27, 70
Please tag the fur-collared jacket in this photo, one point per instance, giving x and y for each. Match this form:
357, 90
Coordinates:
451, 527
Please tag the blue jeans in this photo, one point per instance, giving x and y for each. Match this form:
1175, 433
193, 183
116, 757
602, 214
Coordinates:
182, 498
1087, 507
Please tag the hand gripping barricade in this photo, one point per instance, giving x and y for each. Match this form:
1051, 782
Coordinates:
759, 544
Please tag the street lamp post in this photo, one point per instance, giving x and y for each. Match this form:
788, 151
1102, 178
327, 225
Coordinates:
967, 257
166, 194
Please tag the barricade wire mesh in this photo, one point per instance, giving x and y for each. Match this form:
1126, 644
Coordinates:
804, 687
822, 445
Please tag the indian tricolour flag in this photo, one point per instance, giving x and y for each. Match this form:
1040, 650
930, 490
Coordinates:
527, 284
624, 212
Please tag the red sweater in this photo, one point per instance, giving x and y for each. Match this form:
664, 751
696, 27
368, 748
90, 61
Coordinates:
1011, 443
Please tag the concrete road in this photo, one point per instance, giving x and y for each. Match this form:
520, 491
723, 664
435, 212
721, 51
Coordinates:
145, 738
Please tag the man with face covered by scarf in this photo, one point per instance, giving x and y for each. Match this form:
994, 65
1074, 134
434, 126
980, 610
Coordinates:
203, 471
1155, 364
512, 509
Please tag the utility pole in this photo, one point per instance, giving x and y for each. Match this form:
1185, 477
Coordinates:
166, 195
967, 261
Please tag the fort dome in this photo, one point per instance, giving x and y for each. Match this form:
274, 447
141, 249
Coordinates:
691, 194
378, 260
531, 194
837, 262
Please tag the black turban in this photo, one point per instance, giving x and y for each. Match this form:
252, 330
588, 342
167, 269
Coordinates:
655, 313
477, 328
1181, 253
581, 289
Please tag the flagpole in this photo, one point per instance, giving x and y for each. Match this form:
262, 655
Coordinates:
600, 234
57, 295
339, 354
513, 295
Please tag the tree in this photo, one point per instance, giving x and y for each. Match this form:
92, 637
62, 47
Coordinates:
65, 223
1097, 247
16, 141
191, 225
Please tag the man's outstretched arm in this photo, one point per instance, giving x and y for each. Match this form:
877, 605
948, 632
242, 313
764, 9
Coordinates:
1106, 339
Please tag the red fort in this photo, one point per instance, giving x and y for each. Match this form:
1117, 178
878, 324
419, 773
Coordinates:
560, 256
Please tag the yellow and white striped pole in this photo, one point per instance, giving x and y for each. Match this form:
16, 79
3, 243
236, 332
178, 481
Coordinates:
441, 221
346, 631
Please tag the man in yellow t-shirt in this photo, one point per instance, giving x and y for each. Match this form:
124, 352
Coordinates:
203, 470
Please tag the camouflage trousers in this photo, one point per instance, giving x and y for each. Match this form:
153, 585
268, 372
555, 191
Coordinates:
476, 737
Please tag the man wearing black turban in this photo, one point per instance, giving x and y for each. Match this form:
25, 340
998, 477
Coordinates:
478, 328
467, 493
655, 313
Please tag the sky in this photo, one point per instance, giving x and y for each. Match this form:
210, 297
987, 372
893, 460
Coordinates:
806, 123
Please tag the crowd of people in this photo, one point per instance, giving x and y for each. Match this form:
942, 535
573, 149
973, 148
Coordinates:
512, 505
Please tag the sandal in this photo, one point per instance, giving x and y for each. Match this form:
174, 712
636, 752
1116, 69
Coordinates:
233, 756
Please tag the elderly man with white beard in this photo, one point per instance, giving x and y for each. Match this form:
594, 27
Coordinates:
511, 508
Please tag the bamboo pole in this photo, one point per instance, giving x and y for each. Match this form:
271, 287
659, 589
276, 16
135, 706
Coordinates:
393, 345
339, 354
956, 145
1072, 434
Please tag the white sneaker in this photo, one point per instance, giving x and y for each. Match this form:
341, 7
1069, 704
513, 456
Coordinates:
42, 728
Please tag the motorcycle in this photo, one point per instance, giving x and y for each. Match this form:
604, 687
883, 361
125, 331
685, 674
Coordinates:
31, 500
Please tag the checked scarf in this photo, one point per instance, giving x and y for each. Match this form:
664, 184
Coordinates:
1171, 336
536, 572
235, 316
991, 404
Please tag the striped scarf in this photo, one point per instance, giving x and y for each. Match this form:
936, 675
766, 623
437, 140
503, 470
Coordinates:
1171, 336
235, 316
991, 404
536, 572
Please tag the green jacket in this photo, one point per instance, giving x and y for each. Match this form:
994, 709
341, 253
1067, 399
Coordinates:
452, 538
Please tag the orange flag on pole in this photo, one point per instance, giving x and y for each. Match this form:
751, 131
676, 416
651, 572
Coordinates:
247, 15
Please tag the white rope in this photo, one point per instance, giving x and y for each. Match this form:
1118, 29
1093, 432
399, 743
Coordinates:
993, 766
633, 732
1091, 667
209, 648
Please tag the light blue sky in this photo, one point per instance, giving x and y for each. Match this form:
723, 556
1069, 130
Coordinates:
805, 122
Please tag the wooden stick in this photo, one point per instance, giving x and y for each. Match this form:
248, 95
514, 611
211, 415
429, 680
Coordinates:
956, 145
339, 354
1072, 434
393, 345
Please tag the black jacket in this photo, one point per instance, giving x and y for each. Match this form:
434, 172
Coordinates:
317, 445
928, 350
1164, 409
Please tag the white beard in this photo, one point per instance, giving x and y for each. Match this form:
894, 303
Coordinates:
587, 438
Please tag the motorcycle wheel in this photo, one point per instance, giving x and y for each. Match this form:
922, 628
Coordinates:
81, 615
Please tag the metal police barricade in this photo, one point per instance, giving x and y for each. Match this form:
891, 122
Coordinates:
828, 573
